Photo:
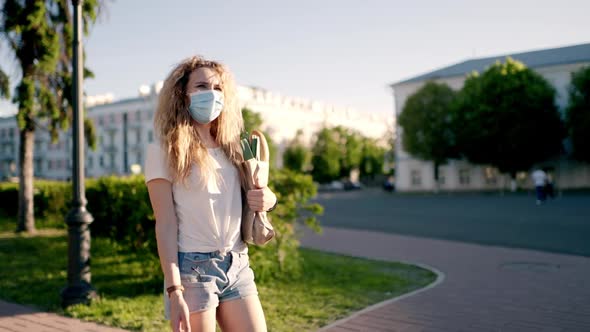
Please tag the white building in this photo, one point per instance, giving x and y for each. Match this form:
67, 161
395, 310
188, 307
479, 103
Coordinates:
556, 65
284, 116
125, 127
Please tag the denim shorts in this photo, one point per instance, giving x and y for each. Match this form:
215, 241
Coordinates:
213, 277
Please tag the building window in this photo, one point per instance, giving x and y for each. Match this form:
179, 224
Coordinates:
101, 161
100, 121
89, 161
49, 164
112, 116
138, 158
491, 175
138, 136
441, 179
112, 161
11, 132
416, 178
38, 165
464, 177
150, 136
138, 115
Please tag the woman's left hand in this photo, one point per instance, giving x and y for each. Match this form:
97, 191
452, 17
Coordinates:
261, 199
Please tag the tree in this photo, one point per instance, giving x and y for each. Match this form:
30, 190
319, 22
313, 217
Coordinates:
39, 33
507, 117
351, 154
426, 121
389, 152
373, 158
339, 150
297, 157
326, 155
252, 120
578, 114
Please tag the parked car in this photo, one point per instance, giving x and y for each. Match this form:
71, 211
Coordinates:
350, 185
336, 185
388, 185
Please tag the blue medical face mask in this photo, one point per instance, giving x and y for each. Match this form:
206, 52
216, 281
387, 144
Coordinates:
206, 105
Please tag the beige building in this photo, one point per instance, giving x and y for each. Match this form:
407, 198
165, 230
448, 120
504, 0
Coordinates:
556, 65
125, 127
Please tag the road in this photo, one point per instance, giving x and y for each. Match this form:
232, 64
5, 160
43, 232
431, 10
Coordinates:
512, 220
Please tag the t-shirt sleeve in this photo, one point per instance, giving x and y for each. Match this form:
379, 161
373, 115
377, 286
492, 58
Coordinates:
155, 163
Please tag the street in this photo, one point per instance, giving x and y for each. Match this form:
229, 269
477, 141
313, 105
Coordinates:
512, 220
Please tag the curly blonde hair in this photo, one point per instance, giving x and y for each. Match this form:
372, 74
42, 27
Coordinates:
176, 133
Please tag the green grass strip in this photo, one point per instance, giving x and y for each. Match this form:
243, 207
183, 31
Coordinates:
130, 284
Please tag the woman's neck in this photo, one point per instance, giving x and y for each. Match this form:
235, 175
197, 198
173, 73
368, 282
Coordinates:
204, 131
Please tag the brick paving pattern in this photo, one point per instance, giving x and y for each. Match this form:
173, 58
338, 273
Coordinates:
18, 318
483, 288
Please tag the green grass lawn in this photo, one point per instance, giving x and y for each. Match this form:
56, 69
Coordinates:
130, 284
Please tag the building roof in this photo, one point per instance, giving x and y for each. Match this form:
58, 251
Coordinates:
6, 118
533, 59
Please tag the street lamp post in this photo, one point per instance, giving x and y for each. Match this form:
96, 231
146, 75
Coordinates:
79, 289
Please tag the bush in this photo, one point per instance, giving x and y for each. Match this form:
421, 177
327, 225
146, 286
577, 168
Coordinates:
52, 200
122, 212
9, 199
280, 258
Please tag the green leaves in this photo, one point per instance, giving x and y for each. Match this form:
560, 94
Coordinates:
578, 114
280, 257
326, 154
425, 121
4, 85
297, 157
246, 149
338, 151
507, 117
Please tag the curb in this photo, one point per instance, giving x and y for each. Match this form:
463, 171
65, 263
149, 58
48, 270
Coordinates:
440, 277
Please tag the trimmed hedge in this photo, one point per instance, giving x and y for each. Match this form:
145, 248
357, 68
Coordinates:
122, 212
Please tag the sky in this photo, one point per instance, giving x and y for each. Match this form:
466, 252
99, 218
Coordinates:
340, 52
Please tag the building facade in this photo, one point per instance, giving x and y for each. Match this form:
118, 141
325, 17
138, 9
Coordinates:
555, 65
125, 127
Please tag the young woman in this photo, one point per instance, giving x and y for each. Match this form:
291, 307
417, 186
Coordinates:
194, 182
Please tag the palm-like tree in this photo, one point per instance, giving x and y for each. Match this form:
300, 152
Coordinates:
39, 35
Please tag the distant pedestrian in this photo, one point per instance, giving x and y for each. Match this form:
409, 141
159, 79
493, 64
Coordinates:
539, 179
549, 187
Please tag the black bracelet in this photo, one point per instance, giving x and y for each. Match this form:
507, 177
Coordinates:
274, 206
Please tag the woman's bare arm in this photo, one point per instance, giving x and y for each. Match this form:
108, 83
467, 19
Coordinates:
160, 192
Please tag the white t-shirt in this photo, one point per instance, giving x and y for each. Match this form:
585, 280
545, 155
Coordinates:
539, 178
209, 218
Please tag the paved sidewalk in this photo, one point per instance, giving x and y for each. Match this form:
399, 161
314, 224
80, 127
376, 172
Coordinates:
17, 318
482, 288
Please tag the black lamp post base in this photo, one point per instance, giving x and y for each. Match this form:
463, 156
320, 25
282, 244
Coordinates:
82, 293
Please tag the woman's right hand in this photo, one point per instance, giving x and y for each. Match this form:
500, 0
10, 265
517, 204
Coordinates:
179, 313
